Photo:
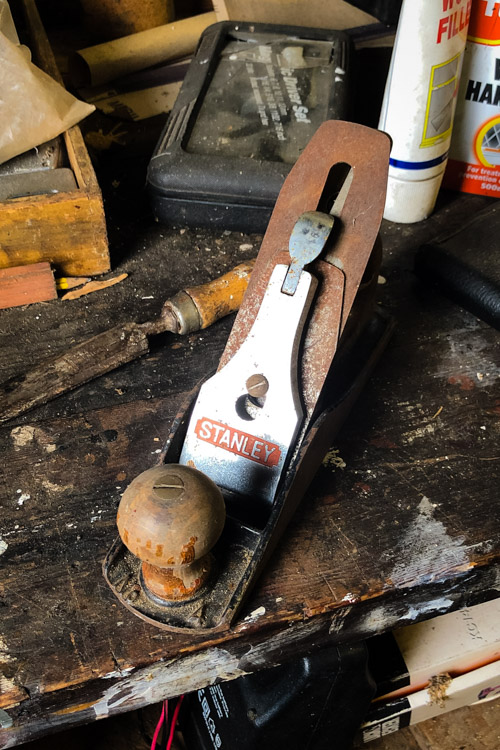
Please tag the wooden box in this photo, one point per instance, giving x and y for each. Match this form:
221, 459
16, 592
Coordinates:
66, 229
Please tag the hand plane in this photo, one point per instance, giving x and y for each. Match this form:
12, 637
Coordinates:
197, 529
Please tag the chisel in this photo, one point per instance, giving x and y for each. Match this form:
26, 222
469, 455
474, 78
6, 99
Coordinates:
187, 311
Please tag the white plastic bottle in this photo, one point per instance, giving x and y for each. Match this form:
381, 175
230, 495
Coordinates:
419, 102
474, 163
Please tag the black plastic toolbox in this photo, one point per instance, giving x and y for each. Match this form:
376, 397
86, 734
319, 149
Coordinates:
253, 96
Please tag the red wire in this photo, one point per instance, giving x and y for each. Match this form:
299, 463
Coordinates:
163, 718
174, 722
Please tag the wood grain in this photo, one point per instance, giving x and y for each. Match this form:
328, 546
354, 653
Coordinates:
407, 529
24, 285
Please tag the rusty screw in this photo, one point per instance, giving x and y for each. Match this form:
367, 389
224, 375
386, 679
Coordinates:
170, 517
257, 386
169, 486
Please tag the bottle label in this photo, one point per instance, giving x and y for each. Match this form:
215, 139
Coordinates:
485, 22
474, 163
443, 83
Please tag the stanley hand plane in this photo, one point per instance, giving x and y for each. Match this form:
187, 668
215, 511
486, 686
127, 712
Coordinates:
197, 529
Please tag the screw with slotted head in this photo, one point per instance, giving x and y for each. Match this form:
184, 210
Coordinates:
169, 486
257, 385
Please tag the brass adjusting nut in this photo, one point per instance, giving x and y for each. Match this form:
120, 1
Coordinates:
170, 517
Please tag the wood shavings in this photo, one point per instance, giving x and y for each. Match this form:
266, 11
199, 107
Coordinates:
437, 688
101, 141
94, 286
71, 282
332, 460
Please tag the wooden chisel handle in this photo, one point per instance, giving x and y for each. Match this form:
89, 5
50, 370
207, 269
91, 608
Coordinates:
200, 306
187, 311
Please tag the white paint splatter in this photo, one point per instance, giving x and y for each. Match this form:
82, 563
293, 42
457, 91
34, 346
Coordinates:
5, 656
426, 551
255, 614
3, 546
22, 498
349, 598
420, 432
338, 619
51, 487
385, 618
22, 436
118, 673
380, 618
168, 679
5, 720
465, 355
435, 606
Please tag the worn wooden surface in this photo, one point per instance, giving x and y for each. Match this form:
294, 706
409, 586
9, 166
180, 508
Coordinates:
24, 285
119, 344
401, 523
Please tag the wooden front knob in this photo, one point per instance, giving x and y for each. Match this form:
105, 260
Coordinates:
170, 517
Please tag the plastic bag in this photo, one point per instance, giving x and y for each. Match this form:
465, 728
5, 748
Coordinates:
33, 107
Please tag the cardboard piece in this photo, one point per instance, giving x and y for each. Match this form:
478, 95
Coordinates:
334, 14
95, 66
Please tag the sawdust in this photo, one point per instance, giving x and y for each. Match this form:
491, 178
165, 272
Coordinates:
438, 687
102, 141
23, 435
332, 460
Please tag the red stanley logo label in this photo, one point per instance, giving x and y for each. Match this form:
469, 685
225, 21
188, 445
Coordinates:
235, 441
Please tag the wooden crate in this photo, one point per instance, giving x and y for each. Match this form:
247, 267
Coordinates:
66, 229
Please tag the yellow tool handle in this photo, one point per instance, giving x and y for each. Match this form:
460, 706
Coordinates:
199, 306
222, 296
188, 311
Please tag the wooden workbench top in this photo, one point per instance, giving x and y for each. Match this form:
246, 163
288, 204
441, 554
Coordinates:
401, 523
